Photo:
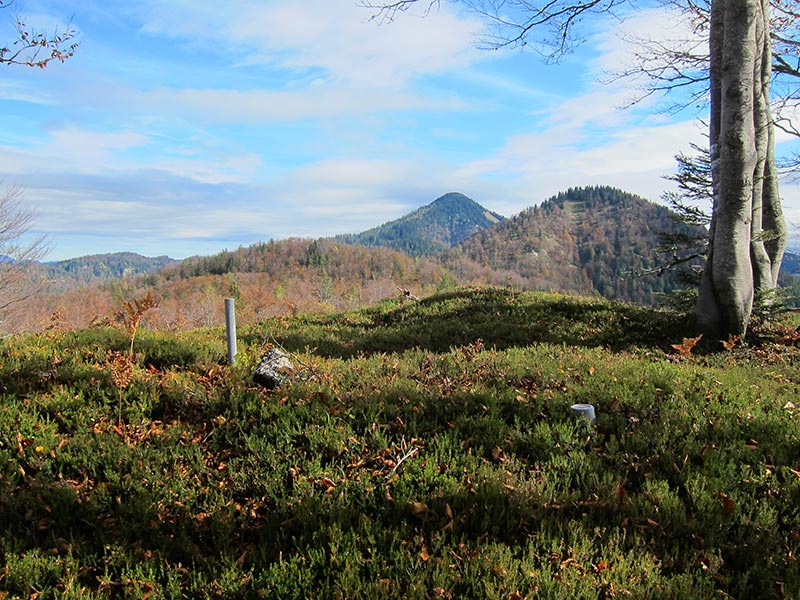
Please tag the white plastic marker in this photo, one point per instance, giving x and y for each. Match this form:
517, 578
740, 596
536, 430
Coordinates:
584, 411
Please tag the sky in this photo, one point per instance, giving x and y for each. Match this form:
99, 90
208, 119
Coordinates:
185, 127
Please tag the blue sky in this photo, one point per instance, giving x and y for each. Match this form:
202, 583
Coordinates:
185, 127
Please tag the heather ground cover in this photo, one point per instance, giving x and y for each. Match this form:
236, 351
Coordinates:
424, 450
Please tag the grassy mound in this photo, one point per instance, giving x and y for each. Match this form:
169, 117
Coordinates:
425, 450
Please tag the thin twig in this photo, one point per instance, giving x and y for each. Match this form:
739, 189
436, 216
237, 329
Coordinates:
408, 454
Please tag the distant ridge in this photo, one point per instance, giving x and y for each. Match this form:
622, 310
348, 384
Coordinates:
791, 264
102, 267
431, 229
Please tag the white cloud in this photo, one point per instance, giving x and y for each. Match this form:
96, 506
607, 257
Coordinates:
335, 36
600, 106
634, 158
225, 169
265, 106
11, 90
84, 149
68, 148
619, 47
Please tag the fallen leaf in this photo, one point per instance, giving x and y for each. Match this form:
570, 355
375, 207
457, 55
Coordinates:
728, 503
601, 566
418, 508
499, 571
424, 553
620, 492
685, 347
731, 342
498, 455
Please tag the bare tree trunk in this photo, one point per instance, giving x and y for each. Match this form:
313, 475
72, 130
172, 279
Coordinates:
746, 204
762, 117
773, 221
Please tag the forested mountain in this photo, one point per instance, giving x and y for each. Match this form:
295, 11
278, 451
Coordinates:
588, 240
444, 223
101, 267
791, 264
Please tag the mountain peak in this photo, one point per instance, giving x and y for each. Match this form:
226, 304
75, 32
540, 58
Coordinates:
430, 229
455, 199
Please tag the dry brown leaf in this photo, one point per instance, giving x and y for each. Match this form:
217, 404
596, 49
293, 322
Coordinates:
620, 492
728, 503
685, 347
418, 508
731, 342
601, 566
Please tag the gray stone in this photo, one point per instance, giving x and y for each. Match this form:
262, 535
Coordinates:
274, 370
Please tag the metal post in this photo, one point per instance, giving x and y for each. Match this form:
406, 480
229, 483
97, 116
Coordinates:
230, 323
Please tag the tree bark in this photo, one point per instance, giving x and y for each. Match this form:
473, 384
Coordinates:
748, 232
773, 221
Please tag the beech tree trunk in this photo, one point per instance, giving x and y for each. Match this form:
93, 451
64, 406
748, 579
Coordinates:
748, 231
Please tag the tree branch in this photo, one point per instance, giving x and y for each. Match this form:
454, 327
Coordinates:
37, 48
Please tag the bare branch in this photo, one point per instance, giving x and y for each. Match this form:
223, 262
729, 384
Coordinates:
386, 12
38, 48
512, 22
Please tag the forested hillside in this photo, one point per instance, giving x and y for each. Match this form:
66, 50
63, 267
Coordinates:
597, 240
267, 279
588, 240
86, 269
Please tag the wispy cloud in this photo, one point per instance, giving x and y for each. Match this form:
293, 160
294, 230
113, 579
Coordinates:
266, 106
334, 38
